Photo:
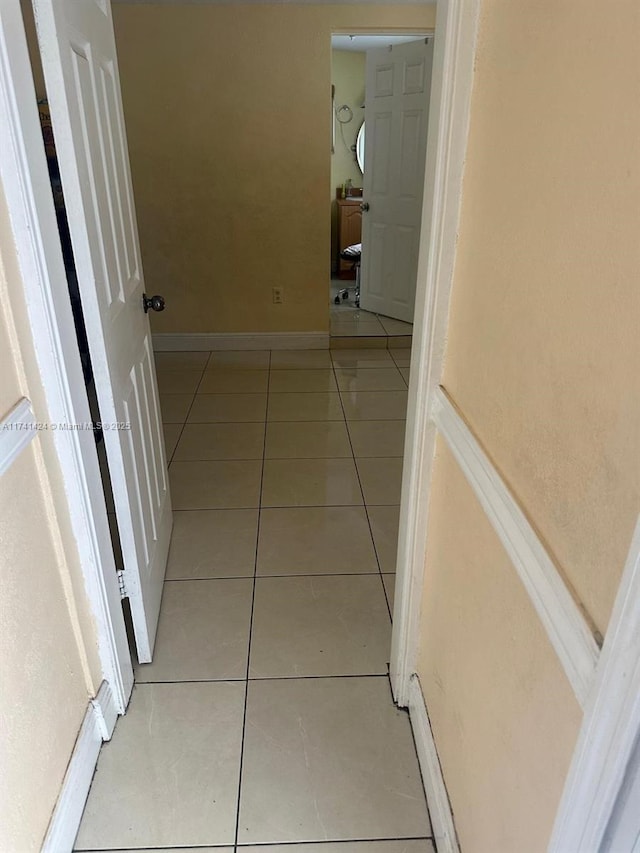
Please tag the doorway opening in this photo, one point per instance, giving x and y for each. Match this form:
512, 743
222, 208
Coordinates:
379, 81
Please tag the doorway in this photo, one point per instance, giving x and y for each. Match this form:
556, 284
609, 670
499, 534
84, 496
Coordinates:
373, 277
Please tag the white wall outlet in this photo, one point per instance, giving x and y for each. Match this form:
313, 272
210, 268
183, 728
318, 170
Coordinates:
278, 295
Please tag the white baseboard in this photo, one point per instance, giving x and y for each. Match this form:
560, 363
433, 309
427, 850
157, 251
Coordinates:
97, 726
437, 798
199, 341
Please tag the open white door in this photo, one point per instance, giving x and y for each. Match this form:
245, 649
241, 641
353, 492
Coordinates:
81, 72
398, 85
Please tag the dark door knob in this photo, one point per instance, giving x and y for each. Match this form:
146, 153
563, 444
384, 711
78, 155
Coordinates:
364, 206
155, 303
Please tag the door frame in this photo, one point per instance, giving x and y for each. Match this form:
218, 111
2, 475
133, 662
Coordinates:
25, 178
427, 32
449, 108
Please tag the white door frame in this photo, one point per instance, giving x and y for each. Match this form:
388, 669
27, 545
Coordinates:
25, 178
451, 81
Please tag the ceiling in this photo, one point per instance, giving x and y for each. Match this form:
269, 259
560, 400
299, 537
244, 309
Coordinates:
360, 43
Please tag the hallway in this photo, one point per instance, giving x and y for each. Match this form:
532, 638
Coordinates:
266, 716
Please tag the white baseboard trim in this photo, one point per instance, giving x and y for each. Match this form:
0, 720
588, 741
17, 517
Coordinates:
565, 624
97, 726
202, 341
444, 831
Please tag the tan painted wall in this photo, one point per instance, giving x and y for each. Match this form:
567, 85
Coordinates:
503, 713
49, 664
228, 118
542, 360
544, 343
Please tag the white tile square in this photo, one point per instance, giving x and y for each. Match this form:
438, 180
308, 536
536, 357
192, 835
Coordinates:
396, 327
377, 438
301, 381
228, 408
221, 441
315, 540
321, 406
240, 359
181, 360
307, 440
215, 485
320, 625
232, 381
213, 543
178, 380
374, 405
369, 379
203, 632
328, 758
300, 359
381, 480
154, 785
310, 482
362, 358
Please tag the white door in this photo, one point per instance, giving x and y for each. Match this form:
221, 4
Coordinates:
398, 85
79, 58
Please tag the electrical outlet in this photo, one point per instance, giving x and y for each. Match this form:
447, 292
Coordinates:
278, 297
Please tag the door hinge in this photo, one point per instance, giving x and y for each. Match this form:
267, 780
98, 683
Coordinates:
121, 584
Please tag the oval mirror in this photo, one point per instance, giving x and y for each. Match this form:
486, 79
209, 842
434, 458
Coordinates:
360, 148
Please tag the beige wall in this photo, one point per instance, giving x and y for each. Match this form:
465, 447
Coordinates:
503, 713
542, 360
228, 118
49, 664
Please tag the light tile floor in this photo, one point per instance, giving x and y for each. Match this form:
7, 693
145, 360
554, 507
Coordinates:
266, 716
349, 321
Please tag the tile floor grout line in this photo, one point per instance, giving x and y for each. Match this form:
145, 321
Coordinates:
253, 603
383, 840
264, 678
366, 512
290, 458
277, 506
292, 575
184, 425
245, 844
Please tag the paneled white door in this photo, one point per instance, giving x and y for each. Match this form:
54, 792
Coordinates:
398, 86
79, 58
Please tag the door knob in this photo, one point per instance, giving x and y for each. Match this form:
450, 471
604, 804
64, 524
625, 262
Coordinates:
364, 206
156, 303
